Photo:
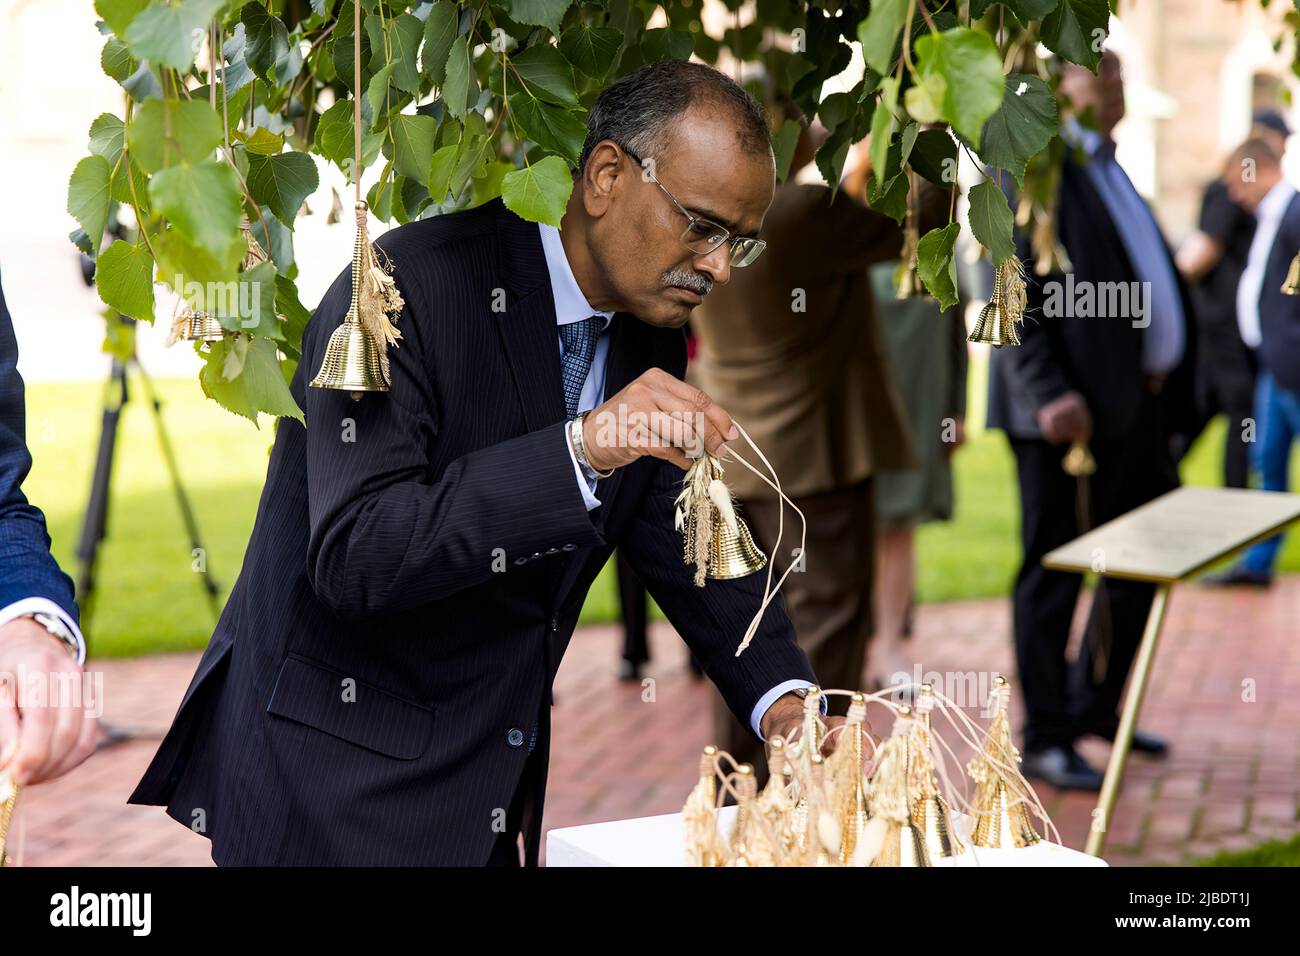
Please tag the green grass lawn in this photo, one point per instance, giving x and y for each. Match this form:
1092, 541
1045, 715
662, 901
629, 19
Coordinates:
149, 599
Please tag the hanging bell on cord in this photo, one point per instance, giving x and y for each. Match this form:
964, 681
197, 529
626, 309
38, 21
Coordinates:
732, 551
992, 327
352, 359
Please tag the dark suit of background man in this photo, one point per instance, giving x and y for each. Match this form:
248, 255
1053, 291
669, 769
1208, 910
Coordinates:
1106, 381
39, 631
1270, 325
377, 690
792, 349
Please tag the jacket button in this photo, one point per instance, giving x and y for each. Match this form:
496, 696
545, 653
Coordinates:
521, 561
569, 547
515, 738
555, 624
552, 550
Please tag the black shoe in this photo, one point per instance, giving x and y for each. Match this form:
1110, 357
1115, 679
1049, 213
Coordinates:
1142, 743
1062, 767
629, 671
1237, 576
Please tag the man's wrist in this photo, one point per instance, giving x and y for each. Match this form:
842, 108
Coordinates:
785, 710
578, 443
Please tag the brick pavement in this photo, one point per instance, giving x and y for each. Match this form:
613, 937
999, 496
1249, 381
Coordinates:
623, 750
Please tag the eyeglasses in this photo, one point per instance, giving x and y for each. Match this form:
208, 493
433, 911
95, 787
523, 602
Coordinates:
702, 236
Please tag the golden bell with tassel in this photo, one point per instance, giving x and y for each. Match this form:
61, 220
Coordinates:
1001, 794
847, 778
890, 801
1291, 285
356, 357
193, 325
994, 327
1078, 461
776, 805
751, 843
8, 802
930, 814
714, 538
700, 815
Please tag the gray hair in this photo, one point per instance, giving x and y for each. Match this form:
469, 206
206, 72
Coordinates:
639, 109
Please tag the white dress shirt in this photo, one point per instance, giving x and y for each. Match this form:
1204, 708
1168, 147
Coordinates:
1164, 339
40, 605
572, 306
1268, 220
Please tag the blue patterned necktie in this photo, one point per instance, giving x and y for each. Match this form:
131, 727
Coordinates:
579, 348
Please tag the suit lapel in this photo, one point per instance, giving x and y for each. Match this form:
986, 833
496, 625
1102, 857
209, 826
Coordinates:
527, 324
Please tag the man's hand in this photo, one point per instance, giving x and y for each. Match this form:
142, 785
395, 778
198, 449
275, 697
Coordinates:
1066, 419
41, 739
657, 415
785, 719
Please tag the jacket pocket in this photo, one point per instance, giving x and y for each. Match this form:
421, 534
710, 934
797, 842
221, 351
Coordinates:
371, 717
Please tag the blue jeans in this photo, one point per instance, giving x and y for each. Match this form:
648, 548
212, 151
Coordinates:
1277, 420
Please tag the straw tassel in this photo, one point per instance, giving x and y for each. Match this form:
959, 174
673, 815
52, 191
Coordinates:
378, 301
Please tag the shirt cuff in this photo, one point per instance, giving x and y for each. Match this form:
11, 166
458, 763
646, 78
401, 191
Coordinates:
40, 605
770, 698
586, 477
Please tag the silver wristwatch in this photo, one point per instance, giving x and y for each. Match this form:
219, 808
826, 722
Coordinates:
580, 448
60, 630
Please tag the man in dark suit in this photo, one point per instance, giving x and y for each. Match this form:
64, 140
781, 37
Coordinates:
1106, 360
377, 690
39, 633
1270, 325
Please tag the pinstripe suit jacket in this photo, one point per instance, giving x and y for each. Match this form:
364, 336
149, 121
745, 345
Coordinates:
415, 573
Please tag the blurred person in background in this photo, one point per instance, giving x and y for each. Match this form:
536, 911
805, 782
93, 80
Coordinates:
1212, 260
1270, 326
928, 354
1120, 383
793, 350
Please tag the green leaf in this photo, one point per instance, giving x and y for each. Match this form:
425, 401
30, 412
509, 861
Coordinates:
783, 145
165, 132
404, 35
488, 186
991, 222
107, 136
296, 316
440, 170
831, 156
439, 30
342, 57
461, 86
936, 265
260, 140
879, 33
282, 182
542, 13
118, 14
127, 176
935, 157
250, 306
538, 192
334, 136
882, 126
971, 68
924, 99
1022, 127
889, 199
1076, 30
124, 278
558, 130
165, 35
592, 50
116, 60
181, 262
88, 197
547, 75
202, 202
664, 44
413, 138
1027, 10
259, 386
268, 49
378, 96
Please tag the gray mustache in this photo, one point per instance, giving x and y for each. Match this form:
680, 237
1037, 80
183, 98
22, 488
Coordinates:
695, 281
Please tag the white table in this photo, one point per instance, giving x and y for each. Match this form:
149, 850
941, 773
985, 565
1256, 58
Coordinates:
659, 841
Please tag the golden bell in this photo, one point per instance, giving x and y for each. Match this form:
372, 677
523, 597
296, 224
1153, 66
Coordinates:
903, 847
1292, 284
1005, 825
201, 327
991, 328
930, 814
930, 818
351, 361
8, 800
1078, 461
731, 555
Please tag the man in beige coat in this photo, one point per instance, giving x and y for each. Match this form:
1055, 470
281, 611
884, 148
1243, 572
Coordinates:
792, 349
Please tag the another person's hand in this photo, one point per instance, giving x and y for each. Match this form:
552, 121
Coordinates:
41, 739
958, 436
659, 415
1066, 419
